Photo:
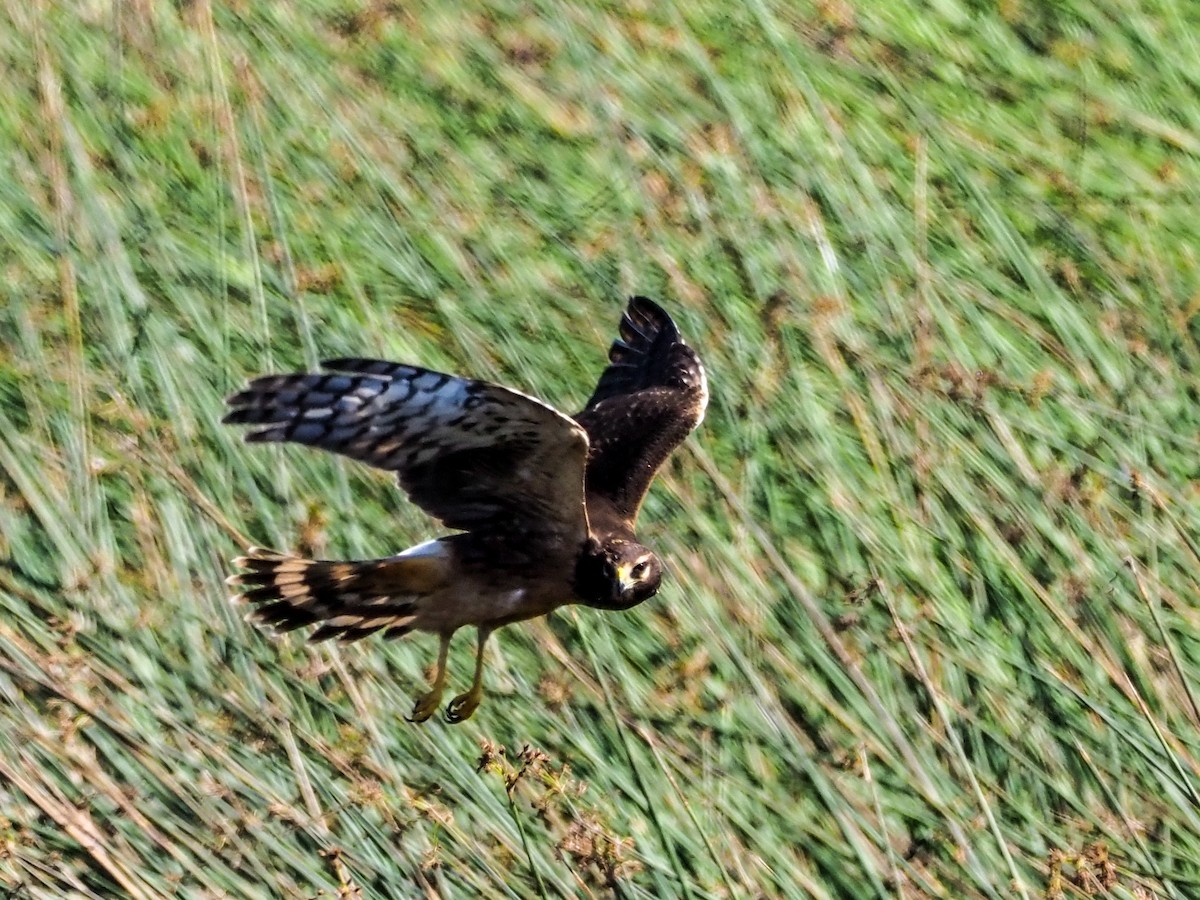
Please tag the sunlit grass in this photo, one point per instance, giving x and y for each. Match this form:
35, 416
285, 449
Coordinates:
930, 629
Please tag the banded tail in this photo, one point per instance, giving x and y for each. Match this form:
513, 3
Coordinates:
349, 599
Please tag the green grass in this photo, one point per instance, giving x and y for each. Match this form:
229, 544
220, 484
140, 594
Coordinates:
931, 627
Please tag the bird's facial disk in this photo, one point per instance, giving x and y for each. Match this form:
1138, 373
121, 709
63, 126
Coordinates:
623, 575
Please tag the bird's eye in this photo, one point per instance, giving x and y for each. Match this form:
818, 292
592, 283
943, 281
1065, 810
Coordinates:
640, 569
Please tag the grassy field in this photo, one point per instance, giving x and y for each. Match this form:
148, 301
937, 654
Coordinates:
931, 627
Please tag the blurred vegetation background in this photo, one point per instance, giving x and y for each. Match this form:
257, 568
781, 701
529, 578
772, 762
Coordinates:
930, 629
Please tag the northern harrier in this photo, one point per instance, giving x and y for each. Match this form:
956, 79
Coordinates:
544, 505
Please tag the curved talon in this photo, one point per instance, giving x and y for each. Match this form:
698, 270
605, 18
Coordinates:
463, 706
425, 706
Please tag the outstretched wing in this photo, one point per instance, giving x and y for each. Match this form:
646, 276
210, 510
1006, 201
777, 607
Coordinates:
475, 455
650, 397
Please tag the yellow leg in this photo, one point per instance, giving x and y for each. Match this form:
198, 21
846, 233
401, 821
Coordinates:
462, 706
428, 703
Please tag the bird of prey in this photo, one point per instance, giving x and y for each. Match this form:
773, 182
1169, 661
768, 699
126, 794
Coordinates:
543, 505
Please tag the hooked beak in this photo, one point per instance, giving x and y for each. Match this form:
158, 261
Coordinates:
624, 582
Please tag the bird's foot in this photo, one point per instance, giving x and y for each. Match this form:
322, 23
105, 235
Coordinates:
464, 705
426, 705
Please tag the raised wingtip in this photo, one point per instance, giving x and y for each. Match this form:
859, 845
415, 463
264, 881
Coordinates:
642, 303
649, 321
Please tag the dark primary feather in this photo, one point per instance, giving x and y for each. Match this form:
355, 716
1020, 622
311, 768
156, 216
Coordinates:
640, 356
651, 395
475, 455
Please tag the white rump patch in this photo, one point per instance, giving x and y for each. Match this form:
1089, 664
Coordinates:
434, 548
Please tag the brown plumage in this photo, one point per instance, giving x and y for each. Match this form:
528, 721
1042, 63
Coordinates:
545, 505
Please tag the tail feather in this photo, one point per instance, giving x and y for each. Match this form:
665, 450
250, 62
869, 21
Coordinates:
347, 599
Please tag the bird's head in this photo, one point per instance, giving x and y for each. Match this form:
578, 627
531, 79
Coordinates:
616, 574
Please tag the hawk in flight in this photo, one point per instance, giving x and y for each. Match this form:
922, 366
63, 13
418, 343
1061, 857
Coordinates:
543, 505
